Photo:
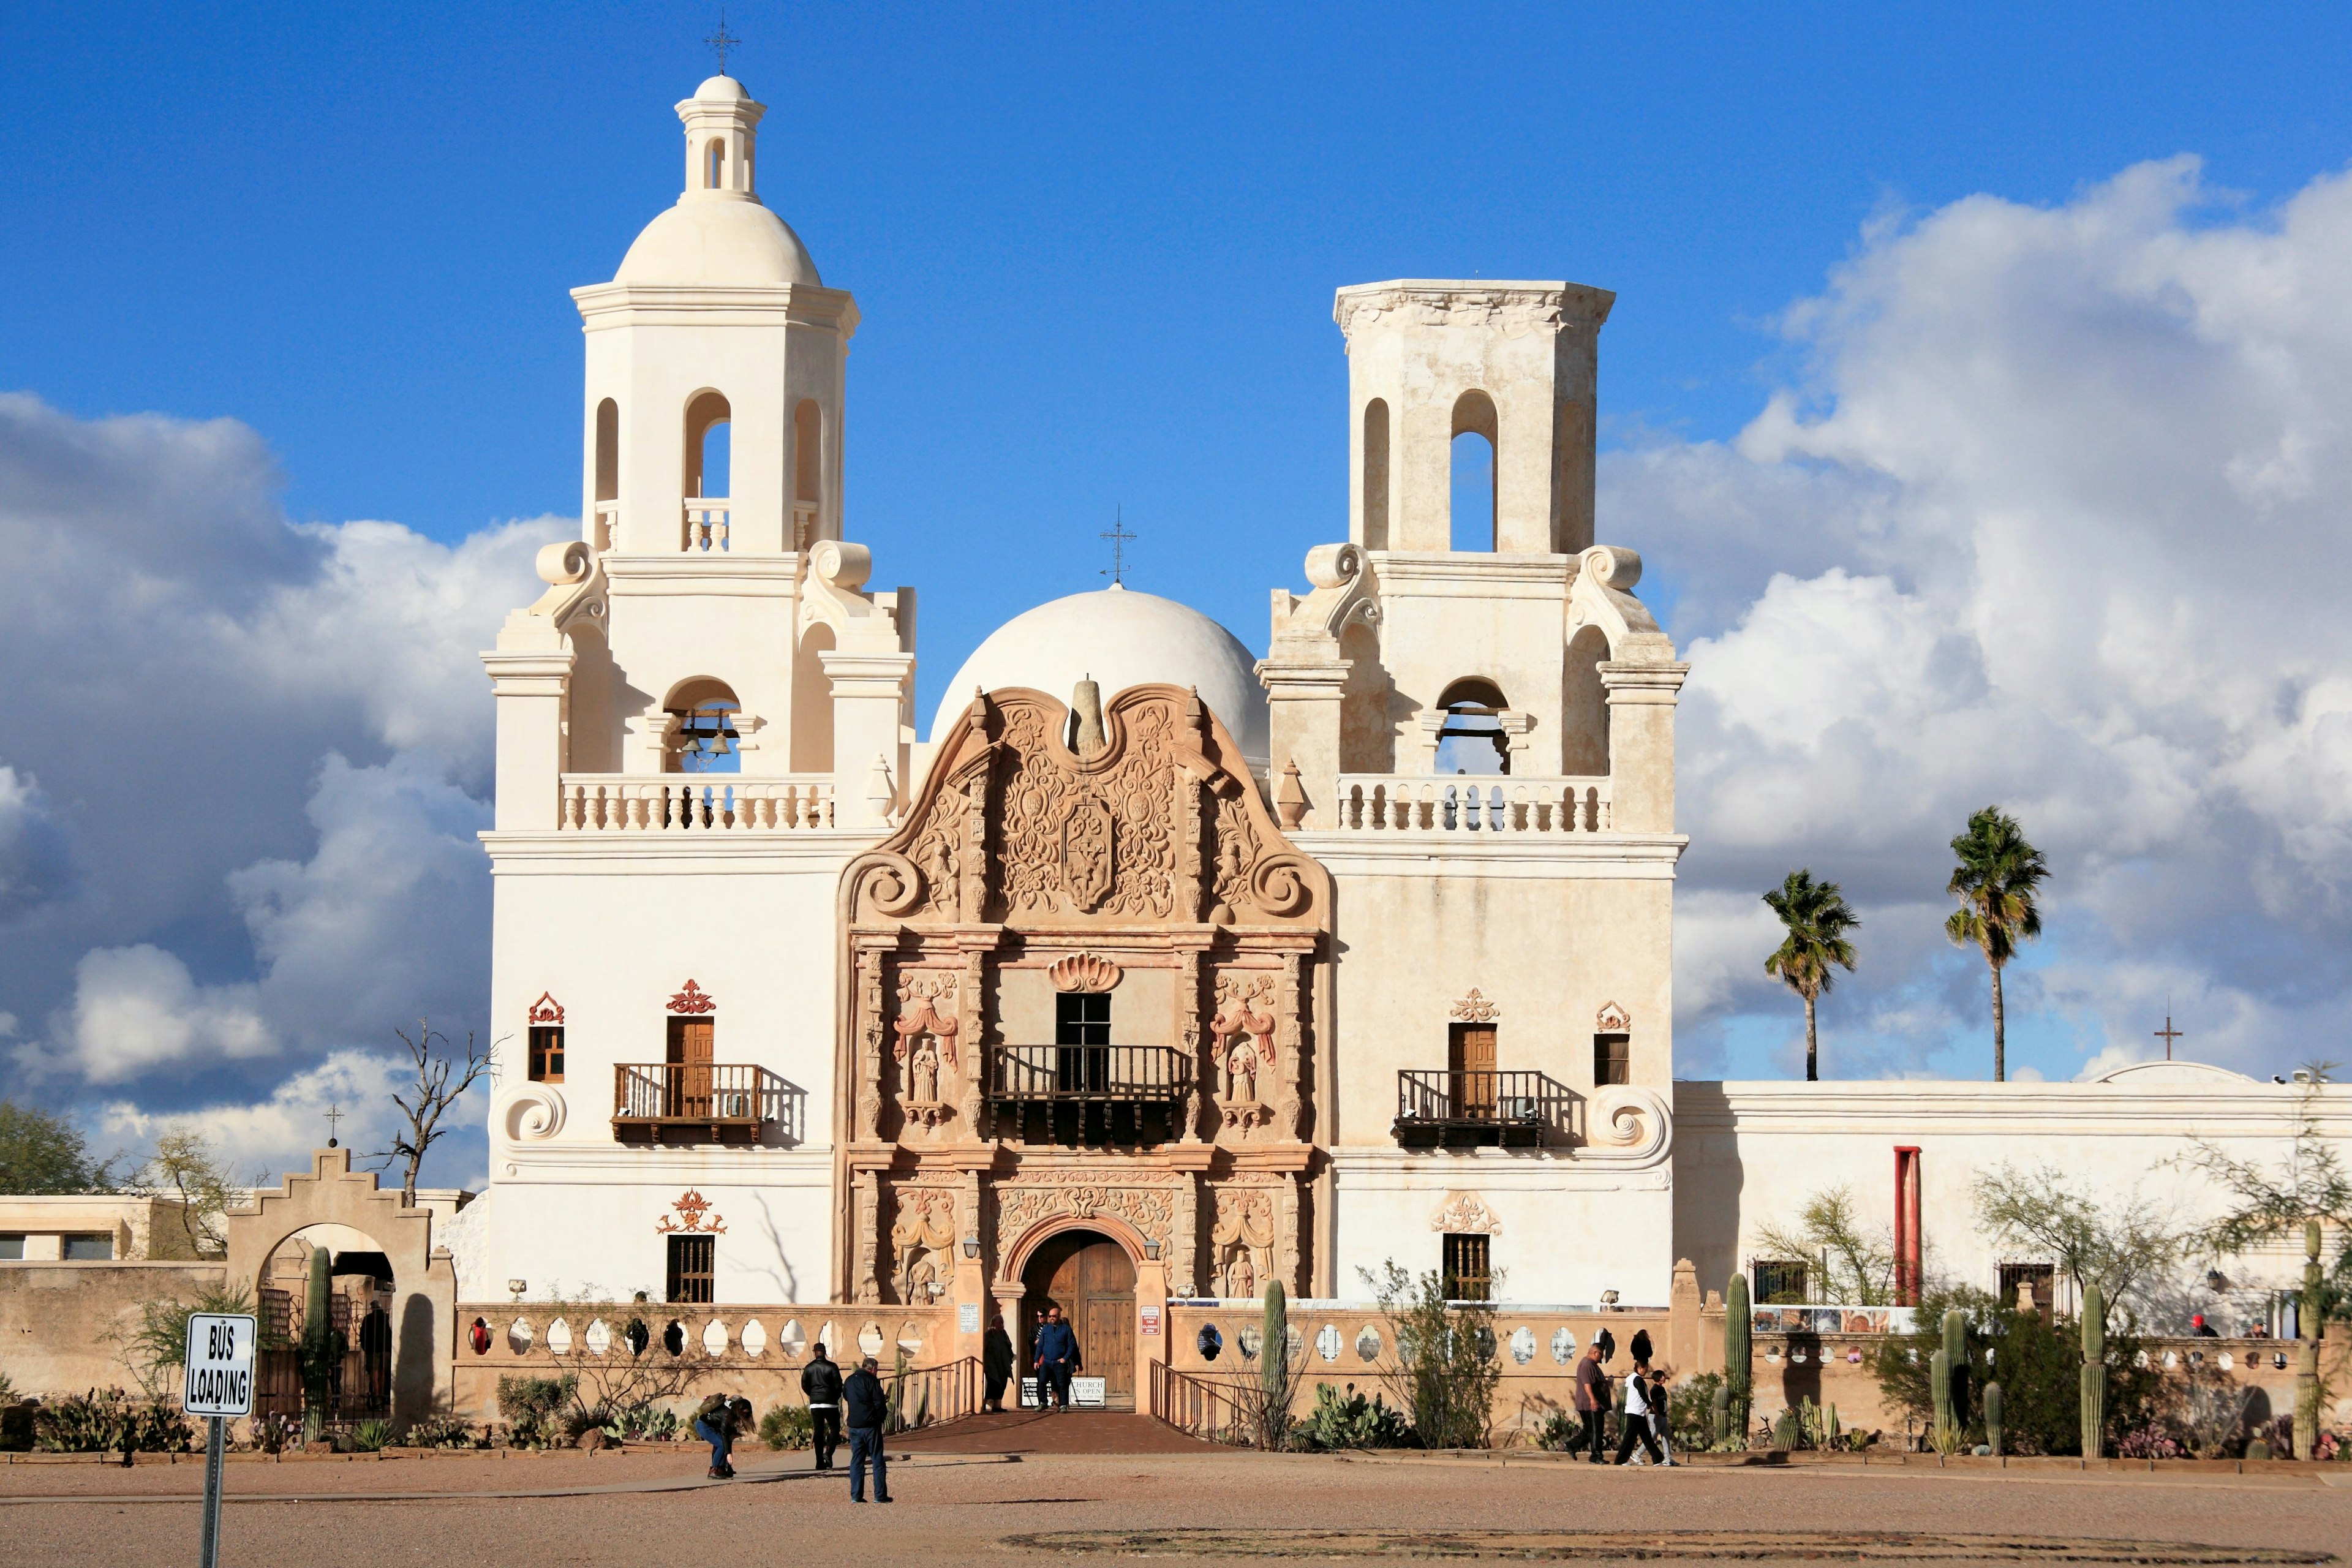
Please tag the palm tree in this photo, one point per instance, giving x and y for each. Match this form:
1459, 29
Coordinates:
1995, 881
1817, 918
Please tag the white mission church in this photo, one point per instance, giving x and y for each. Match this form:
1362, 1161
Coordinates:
1142, 970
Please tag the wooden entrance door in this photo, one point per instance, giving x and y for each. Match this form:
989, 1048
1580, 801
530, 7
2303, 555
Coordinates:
1471, 1069
1092, 1279
689, 1068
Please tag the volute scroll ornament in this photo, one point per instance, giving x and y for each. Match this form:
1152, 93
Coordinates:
1465, 1214
1613, 1019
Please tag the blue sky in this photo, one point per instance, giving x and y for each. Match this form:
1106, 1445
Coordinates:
1890, 284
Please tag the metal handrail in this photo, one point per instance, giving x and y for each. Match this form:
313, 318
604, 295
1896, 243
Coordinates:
1196, 1406
1481, 1095
1139, 1075
712, 1093
925, 1397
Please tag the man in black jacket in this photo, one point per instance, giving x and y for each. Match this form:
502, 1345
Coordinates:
864, 1406
821, 1382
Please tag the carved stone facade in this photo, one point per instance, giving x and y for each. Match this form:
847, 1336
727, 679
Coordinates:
1146, 875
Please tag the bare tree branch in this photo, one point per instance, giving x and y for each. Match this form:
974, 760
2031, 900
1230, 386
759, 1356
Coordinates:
429, 1097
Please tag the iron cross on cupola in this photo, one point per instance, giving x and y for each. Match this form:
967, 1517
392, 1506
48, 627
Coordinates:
1120, 538
722, 41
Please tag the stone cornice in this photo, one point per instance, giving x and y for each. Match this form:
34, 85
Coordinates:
1511, 305
607, 305
566, 853
1416, 572
1513, 857
1915, 1108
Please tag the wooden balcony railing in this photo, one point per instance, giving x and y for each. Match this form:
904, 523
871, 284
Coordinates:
1442, 1107
718, 1102
1086, 1075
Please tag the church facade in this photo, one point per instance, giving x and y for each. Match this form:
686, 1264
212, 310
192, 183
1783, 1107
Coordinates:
1149, 971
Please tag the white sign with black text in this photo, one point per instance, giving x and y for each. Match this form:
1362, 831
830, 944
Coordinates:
219, 1366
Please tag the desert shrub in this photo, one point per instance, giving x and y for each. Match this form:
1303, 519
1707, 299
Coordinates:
533, 1407
102, 1420
1690, 1412
1562, 1432
644, 1424
787, 1427
2152, 1441
372, 1435
441, 1432
1349, 1421
1445, 1370
2037, 1364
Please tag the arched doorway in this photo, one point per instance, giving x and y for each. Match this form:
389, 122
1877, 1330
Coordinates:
1092, 1279
356, 1290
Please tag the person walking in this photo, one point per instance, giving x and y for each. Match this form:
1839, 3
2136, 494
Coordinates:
1592, 1403
1661, 1413
1057, 1360
864, 1407
1637, 1419
996, 1364
821, 1384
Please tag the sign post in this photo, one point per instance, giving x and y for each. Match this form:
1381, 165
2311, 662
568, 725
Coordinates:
218, 1384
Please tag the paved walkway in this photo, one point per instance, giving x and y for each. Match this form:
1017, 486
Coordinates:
1035, 1432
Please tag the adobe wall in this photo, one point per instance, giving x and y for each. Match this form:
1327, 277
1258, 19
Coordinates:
55, 1319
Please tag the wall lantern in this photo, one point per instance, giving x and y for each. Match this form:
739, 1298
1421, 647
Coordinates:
1151, 1250
972, 1246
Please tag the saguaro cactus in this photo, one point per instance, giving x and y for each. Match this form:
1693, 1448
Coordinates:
1939, 1389
1273, 1340
1737, 1353
1992, 1417
1955, 1362
1722, 1416
2308, 1328
317, 1346
2094, 1372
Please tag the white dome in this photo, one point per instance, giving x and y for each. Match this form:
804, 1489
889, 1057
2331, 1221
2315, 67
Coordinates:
725, 88
701, 240
1120, 639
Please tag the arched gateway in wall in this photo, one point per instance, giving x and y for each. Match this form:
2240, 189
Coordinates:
425, 1282
1081, 990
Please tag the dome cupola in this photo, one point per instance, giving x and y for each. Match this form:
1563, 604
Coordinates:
718, 232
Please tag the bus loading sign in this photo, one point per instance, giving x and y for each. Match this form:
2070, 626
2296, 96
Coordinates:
219, 1365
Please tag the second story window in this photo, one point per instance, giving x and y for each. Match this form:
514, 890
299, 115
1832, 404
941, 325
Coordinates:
1612, 1060
1081, 1019
547, 1054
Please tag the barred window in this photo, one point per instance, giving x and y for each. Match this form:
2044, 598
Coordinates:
1467, 1274
1780, 1281
693, 1262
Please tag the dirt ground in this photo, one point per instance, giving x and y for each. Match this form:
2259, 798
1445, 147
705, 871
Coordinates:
632, 1508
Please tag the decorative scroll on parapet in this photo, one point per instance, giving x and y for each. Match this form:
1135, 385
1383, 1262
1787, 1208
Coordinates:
1465, 1214
1627, 1125
1341, 589
1602, 596
925, 1048
1162, 823
830, 597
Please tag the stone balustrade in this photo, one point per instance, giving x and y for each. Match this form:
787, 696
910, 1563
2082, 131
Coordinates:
642, 803
1467, 803
706, 522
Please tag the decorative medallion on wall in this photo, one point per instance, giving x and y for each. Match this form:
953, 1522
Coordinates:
1084, 971
694, 1217
1465, 1214
1613, 1019
547, 1009
692, 1000
1474, 1009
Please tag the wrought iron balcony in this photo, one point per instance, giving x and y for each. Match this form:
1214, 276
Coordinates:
1086, 1075
1438, 1107
715, 1102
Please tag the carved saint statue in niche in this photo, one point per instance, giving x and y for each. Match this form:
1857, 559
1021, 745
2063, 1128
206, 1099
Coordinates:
923, 1238
1241, 1276
926, 1045
1243, 1048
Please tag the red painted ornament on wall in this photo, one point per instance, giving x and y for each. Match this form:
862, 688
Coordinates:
692, 1000
693, 1217
547, 1009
